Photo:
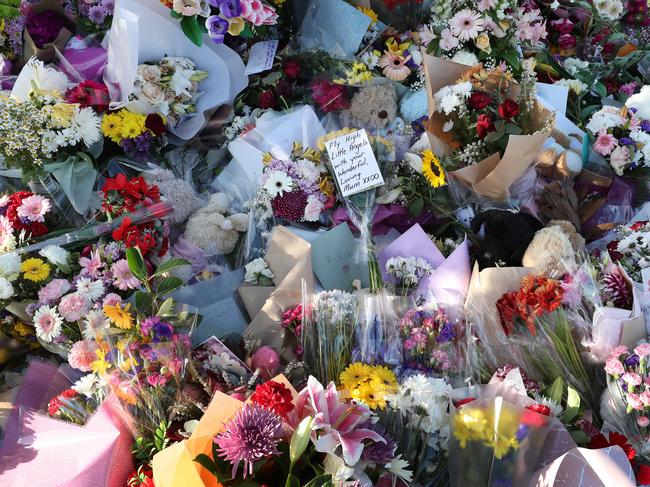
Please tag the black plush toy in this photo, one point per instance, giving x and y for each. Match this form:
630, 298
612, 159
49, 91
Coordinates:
506, 237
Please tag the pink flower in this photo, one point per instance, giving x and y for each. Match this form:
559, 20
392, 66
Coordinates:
605, 143
34, 208
634, 401
123, 279
53, 290
91, 266
257, 13
645, 398
409, 344
618, 351
82, 355
632, 378
643, 421
112, 299
628, 88
613, 366
619, 159
484, 5
6, 228
73, 306
441, 359
447, 40
642, 350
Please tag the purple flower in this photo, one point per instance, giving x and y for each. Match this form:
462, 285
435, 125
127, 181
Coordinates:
377, 452
645, 126
148, 324
162, 330
447, 333
228, 8
217, 28
632, 360
97, 14
626, 141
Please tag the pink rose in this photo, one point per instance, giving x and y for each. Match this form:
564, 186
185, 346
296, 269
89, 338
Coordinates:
642, 350
634, 401
643, 421
613, 366
632, 378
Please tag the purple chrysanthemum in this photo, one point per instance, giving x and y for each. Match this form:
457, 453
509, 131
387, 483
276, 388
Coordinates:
252, 435
378, 452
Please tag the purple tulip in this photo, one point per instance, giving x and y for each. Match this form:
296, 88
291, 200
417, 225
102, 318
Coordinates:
228, 8
217, 28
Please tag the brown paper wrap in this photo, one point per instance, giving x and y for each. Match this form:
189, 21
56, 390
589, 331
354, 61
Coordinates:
493, 176
289, 257
47, 52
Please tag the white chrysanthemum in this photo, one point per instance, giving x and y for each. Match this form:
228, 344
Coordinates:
88, 385
57, 256
606, 118
6, 289
89, 289
465, 57
277, 183
87, 124
47, 323
556, 409
10, 265
573, 65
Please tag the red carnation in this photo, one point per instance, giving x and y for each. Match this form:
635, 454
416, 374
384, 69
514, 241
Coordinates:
291, 68
638, 225
540, 409
330, 96
274, 396
484, 126
509, 109
479, 100
507, 308
155, 124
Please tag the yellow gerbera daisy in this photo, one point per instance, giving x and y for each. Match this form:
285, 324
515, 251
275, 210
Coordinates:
432, 169
35, 270
354, 374
119, 316
370, 13
386, 377
372, 394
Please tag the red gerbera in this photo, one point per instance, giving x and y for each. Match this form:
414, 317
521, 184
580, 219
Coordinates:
274, 396
615, 439
540, 409
507, 311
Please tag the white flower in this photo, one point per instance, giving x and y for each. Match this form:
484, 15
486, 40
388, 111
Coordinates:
46, 79
641, 101
448, 126
609, 9
181, 82
57, 256
573, 65
449, 98
92, 290
257, 270
574, 85
87, 123
277, 183
370, 59
465, 57
399, 468
307, 170
6, 289
94, 322
606, 118
556, 409
88, 385
47, 323
10, 265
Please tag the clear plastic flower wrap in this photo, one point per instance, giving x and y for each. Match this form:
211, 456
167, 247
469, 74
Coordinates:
329, 320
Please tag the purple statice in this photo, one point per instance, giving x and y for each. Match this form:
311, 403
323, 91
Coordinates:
139, 146
447, 333
14, 30
252, 435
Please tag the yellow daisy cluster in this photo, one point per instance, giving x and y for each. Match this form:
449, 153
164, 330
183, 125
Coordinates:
35, 270
123, 125
369, 384
477, 424
358, 74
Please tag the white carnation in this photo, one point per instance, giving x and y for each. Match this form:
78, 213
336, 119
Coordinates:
10, 265
6, 289
57, 256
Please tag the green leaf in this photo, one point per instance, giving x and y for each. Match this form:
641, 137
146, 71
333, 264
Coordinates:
300, 439
601, 89
175, 14
587, 112
192, 29
292, 481
169, 265
513, 129
556, 390
136, 263
143, 302
272, 78
207, 463
247, 33
512, 58
320, 481
493, 136
580, 437
169, 284
166, 307
572, 405
416, 207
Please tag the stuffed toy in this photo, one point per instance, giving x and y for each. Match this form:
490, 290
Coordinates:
553, 249
506, 236
372, 108
178, 192
560, 158
214, 228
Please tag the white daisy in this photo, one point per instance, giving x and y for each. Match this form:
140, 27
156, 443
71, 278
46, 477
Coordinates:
47, 323
87, 124
467, 24
277, 183
556, 409
88, 385
95, 322
92, 290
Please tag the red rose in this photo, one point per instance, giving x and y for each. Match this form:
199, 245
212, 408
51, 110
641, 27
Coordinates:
540, 409
274, 396
484, 126
267, 99
478, 100
638, 225
155, 124
509, 109
291, 68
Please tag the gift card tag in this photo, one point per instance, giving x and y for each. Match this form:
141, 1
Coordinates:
645, 278
354, 163
261, 57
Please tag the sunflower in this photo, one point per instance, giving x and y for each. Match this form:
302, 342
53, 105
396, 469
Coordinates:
432, 169
385, 377
355, 374
35, 270
119, 316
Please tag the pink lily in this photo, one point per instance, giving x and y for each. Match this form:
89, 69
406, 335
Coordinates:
336, 422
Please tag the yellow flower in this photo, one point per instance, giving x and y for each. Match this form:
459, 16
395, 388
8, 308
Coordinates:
112, 127
396, 48
61, 114
372, 394
279, 3
370, 13
100, 366
385, 377
327, 186
133, 124
119, 316
35, 270
483, 43
432, 169
22, 329
236, 25
354, 374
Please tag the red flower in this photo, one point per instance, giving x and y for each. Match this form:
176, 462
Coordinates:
274, 396
612, 248
155, 124
615, 439
479, 100
484, 126
267, 99
89, 94
507, 309
509, 109
567, 41
462, 402
638, 225
291, 68
329, 96
540, 409
538, 296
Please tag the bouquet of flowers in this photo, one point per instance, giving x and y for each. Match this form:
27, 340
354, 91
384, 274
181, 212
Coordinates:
94, 15
298, 189
123, 196
621, 137
139, 136
631, 249
369, 384
169, 86
79, 402
12, 24
469, 32
407, 272
22, 218
220, 17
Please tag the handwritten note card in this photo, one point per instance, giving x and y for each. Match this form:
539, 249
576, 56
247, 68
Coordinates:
261, 57
354, 163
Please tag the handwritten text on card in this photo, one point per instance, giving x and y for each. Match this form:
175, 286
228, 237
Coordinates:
261, 57
354, 163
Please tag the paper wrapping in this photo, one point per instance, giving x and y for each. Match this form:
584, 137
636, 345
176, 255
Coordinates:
616, 326
48, 51
289, 257
175, 465
492, 176
135, 23
97, 454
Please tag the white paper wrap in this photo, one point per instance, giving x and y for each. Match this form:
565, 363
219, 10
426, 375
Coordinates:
143, 31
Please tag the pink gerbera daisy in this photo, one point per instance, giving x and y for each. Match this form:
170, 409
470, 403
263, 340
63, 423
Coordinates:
123, 279
47, 323
394, 66
34, 208
82, 355
605, 143
467, 24
91, 266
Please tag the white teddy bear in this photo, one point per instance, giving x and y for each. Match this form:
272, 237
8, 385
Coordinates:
215, 230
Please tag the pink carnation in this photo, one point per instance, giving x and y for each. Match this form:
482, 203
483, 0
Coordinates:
643, 421
123, 279
112, 299
618, 351
257, 13
53, 290
605, 143
613, 366
73, 306
645, 398
632, 378
82, 355
642, 350
634, 401
34, 208
91, 266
